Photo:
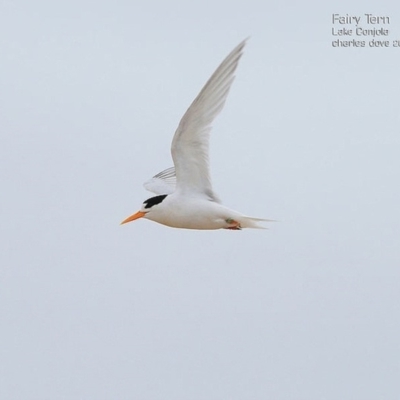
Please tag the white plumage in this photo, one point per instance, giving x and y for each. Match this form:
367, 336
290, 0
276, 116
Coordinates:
185, 195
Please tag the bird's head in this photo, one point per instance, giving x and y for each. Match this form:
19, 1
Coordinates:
147, 207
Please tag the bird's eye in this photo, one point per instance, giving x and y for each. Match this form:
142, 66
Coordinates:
154, 200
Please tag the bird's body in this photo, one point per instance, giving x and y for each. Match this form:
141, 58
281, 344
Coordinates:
185, 198
179, 211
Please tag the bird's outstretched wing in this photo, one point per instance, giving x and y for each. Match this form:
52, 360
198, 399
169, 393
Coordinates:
190, 145
162, 183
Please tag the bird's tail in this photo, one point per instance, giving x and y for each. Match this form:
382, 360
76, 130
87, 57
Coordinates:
251, 222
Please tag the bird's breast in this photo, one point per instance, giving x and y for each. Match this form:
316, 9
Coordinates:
189, 213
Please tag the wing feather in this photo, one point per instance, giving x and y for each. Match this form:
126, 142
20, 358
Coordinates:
190, 145
162, 183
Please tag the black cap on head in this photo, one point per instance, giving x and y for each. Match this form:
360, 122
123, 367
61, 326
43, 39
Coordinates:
154, 200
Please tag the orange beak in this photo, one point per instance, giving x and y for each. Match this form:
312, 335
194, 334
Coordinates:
139, 214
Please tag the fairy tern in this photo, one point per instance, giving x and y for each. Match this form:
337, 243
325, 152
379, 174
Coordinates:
185, 198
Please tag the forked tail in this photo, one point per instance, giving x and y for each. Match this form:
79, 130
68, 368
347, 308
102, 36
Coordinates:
251, 222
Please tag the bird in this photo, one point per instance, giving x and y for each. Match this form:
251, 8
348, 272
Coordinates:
184, 194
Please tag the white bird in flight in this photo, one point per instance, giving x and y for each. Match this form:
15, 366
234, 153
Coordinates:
185, 198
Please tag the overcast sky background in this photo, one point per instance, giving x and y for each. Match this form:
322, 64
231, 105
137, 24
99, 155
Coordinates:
91, 93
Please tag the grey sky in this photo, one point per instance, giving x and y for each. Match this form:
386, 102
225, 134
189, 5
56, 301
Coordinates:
90, 96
